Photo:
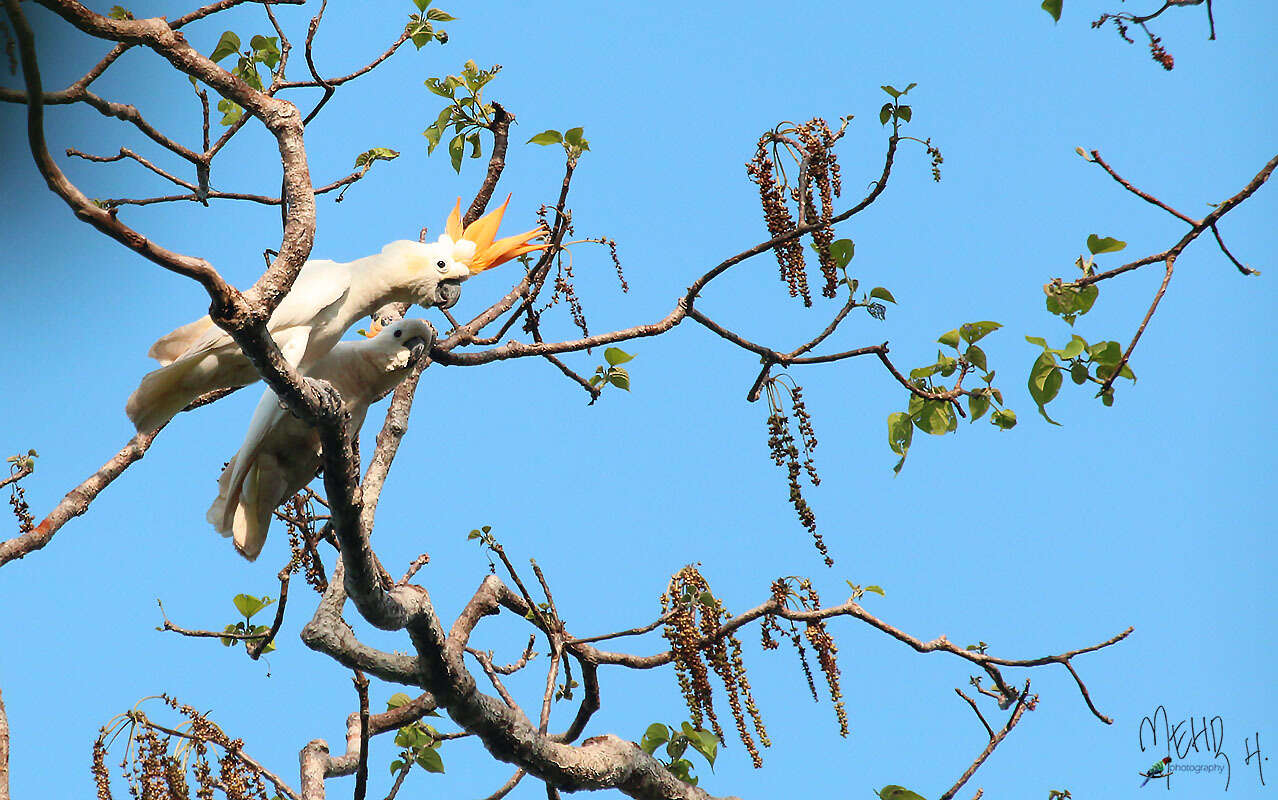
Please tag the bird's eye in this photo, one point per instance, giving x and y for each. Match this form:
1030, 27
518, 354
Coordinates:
398, 333
442, 265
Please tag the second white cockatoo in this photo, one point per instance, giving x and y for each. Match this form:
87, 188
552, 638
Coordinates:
281, 453
325, 301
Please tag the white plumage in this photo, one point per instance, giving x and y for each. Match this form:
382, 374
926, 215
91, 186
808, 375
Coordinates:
326, 299
281, 453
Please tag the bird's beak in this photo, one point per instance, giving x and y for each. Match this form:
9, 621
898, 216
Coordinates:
448, 293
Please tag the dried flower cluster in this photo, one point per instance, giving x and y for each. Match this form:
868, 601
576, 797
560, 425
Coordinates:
1156, 49
811, 146
300, 517
816, 634
784, 449
153, 771
18, 501
695, 617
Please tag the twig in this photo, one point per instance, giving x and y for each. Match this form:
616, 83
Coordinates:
361, 770
1022, 703
979, 715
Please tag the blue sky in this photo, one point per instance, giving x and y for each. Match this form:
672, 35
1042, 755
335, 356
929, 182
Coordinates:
1153, 513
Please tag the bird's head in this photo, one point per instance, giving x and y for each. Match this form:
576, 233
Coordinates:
391, 346
435, 270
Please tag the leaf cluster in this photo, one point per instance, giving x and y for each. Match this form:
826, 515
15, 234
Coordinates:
938, 417
677, 741
248, 606
841, 253
893, 110
572, 139
613, 373
467, 114
420, 742
264, 50
419, 27
1082, 361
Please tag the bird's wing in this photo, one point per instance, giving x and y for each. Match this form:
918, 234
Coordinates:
319, 285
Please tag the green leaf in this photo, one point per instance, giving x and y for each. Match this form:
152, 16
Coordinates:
1075, 347
894, 792
618, 377
874, 587
398, 699
900, 432
396, 766
923, 372
422, 5
656, 735
266, 50
1068, 301
573, 138
595, 380
421, 34
1004, 418
1078, 372
248, 605
1044, 383
435, 15
842, 250
973, 332
475, 150
1053, 7
882, 294
976, 357
615, 356
246, 71
229, 44
704, 742
904, 113
1107, 397
885, 113
935, 417
1108, 244
950, 338
456, 149
1108, 353
908, 88
892, 90
430, 760
120, 12
977, 405
438, 88
1038, 340
432, 135
546, 137
376, 154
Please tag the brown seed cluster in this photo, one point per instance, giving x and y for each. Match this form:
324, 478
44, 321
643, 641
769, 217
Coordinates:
156, 759
811, 146
805, 594
1160, 54
1156, 49
18, 502
300, 517
695, 619
816, 142
776, 215
784, 449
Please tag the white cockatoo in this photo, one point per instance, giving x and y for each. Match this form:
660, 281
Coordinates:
281, 453
325, 300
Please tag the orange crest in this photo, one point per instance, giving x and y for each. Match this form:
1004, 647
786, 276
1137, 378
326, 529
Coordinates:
489, 253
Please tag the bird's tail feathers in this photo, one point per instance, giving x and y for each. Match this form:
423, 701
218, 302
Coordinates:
161, 395
171, 346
